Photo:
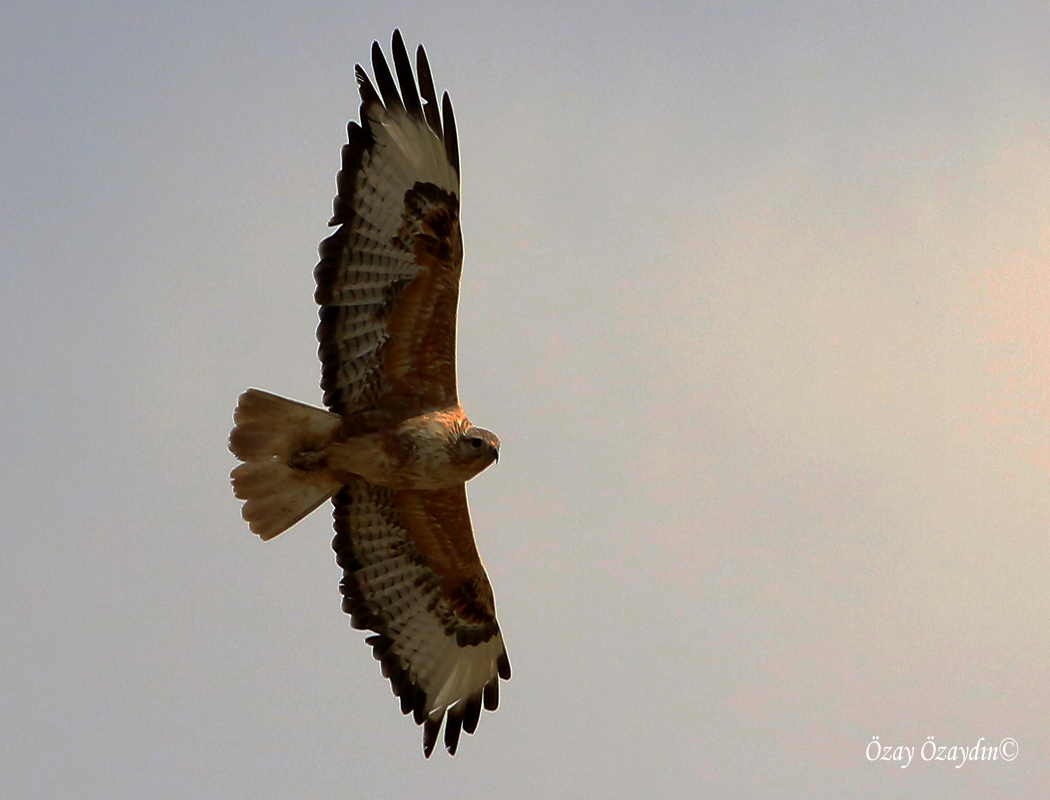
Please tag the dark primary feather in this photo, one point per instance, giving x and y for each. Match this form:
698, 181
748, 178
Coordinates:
451, 141
426, 90
391, 98
405, 78
368, 92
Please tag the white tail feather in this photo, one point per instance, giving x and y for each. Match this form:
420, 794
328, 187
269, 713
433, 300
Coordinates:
268, 431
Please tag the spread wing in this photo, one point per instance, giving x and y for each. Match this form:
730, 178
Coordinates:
388, 278
411, 574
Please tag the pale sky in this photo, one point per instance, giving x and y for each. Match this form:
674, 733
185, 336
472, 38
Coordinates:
757, 297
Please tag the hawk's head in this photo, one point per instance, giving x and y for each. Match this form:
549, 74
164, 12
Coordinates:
477, 448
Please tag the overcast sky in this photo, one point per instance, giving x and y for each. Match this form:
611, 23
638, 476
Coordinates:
755, 295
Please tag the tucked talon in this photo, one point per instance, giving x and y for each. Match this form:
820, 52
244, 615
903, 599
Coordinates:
305, 460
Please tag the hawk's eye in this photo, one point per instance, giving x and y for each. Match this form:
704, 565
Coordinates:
475, 442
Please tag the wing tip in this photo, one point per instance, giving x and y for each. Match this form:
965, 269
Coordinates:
503, 666
462, 716
453, 727
451, 138
430, 735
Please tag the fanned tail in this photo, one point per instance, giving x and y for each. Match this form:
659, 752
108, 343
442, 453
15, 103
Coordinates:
268, 431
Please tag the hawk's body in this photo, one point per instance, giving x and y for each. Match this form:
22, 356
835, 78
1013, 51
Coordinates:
395, 449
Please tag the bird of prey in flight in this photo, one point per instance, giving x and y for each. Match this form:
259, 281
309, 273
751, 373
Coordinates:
395, 448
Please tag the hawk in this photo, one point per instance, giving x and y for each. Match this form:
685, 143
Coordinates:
394, 449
